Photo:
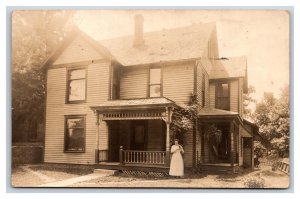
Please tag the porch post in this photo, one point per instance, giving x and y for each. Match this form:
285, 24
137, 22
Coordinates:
168, 143
168, 120
231, 144
97, 137
252, 153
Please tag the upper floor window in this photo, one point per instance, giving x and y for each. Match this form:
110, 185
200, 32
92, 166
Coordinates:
76, 85
155, 82
75, 133
222, 96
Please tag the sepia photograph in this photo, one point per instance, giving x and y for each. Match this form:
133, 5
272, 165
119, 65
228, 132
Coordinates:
163, 98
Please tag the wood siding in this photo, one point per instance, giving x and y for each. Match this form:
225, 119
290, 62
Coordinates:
199, 84
212, 95
134, 83
234, 96
178, 82
78, 50
241, 97
97, 92
240, 146
188, 149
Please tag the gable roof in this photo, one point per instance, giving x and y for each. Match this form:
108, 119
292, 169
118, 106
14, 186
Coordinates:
232, 67
228, 67
75, 32
182, 43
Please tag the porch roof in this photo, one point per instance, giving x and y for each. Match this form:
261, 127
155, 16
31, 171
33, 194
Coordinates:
215, 112
208, 113
157, 102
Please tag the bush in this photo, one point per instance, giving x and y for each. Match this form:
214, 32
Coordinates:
254, 182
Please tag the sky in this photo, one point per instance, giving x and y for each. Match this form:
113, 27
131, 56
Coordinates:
262, 36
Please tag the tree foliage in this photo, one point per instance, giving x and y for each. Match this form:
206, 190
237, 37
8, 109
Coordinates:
248, 101
35, 35
272, 115
183, 119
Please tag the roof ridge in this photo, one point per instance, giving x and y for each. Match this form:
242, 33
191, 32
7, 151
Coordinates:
157, 31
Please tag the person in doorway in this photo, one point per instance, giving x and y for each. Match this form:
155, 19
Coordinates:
176, 165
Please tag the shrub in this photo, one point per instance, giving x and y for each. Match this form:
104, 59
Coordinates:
254, 182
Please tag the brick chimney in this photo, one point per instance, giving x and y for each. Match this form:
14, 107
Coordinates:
138, 31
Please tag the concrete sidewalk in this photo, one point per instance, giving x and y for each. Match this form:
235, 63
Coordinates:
68, 182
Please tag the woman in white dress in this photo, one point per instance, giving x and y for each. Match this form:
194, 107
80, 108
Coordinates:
176, 166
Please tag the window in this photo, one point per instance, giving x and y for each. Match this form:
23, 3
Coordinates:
222, 96
75, 133
76, 85
155, 82
203, 90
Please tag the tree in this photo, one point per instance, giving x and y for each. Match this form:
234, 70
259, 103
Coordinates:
35, 35
272, 115
184, 119
248, 101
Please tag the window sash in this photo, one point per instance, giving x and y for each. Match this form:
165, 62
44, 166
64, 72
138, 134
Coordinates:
221, 92
74, 135
76, 85
153, 90
155, 86
223, 96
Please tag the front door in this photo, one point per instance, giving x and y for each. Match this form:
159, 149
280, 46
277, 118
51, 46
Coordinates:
114, 141
138, 135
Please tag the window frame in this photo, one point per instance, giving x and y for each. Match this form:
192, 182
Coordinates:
66, 131
69, 69
217, 97
160, 84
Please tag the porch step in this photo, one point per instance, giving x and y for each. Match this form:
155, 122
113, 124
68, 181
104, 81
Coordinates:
105, 171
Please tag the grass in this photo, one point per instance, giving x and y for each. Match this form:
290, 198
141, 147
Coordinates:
71, 169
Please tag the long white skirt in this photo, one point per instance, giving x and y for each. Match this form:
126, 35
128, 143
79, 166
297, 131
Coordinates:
176, 165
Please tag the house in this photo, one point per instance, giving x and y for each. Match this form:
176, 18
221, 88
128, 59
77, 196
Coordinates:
110, 102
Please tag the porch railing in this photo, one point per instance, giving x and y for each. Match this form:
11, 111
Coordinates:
143, 157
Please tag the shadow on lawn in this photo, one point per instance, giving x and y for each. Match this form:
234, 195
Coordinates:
71, 169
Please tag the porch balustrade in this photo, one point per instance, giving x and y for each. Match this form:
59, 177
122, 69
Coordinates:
143, 157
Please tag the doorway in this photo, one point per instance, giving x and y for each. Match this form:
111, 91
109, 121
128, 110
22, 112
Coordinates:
139, 135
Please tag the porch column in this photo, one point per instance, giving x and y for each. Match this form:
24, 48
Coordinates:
168, 120
232, 144
168, 143
97, 137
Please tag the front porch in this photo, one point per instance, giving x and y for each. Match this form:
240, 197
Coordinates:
220, 141
138, 134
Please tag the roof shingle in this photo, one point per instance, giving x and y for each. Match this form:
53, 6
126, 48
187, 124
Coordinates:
228, 67
167, 45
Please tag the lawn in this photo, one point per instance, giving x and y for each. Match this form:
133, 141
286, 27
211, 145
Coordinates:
34, 175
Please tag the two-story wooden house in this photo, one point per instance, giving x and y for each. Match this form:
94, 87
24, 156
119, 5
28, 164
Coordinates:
110, 102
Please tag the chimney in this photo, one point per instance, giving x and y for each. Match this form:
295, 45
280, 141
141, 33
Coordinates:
138, 30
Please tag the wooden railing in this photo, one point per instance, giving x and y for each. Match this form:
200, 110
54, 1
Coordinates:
143, 157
